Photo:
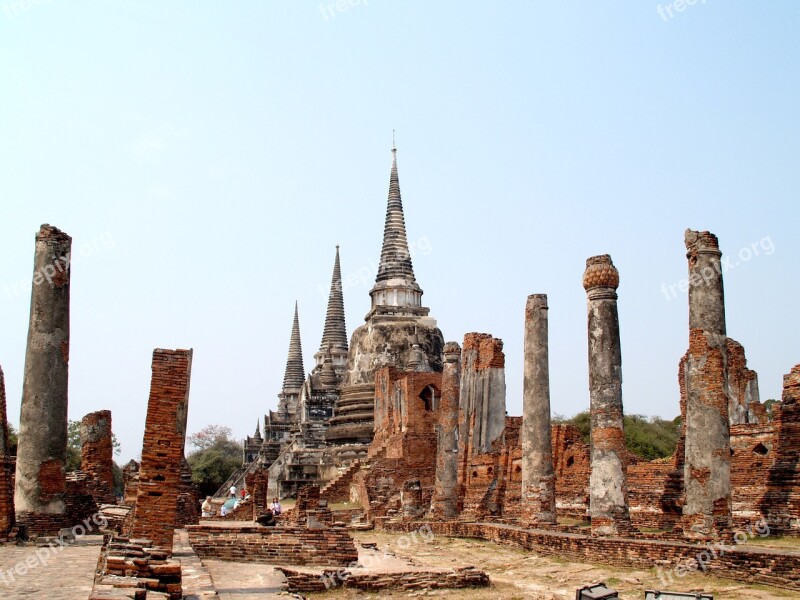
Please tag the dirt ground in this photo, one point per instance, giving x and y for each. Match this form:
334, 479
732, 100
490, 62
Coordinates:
521, 575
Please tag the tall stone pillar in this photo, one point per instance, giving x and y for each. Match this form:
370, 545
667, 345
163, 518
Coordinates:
162, 449
538, 476
42, 452
608, 502
97, 447
707, 469
444, 505
6, 475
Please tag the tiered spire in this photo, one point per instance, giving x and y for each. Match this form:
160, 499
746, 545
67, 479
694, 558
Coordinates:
295, 374
395, 257
334, 334
257, 437
395, 291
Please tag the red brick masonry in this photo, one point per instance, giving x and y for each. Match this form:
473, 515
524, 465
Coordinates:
770, 567
241, 542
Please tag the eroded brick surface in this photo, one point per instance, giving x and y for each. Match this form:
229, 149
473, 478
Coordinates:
165, 432
6, 469
289, 545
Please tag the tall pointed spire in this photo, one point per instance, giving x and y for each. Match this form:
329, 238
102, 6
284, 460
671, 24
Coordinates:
395, 285
395, 257
335, 333
295, 374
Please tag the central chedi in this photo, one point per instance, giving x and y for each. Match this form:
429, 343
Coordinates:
398, 331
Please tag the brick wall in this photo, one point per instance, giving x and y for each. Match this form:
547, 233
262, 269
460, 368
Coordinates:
6, 468
162, 450
774, 568
782, 498
273, 545
97, 454
409, 581
126, 564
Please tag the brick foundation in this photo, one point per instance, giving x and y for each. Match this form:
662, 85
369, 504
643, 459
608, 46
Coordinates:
273, 545
313, 581
775, 568
126, 565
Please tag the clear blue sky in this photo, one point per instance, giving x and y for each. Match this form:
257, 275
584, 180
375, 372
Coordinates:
207, 157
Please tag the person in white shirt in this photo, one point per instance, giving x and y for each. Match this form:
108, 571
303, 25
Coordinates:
233, 491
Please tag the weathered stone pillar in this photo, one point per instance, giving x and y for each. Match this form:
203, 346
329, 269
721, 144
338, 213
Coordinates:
707, 470
162, 449
608, 503
42, 451
538, 476
97, 448
6, 475
444, 505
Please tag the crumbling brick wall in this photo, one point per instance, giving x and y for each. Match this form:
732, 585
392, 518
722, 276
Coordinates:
573, 465
6, 469
257, 482
404, 445
189, 498
744, 404
97, 454
162, 450
130, 482
481, 426
288, 544
782, 499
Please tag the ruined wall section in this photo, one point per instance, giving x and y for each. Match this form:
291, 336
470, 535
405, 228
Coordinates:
404, 446
97, 455
782, 500
162, 450
7, 520
481, 426
744, 401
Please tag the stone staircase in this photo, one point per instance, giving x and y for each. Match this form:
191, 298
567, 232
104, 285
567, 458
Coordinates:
338, 490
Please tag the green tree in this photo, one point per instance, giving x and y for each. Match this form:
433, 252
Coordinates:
216, 455
769, 406
647, 437
12, 440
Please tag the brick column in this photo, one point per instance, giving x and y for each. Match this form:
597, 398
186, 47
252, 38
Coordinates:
97, 448
39, 494
444, 505
162, 449
538, 477
707, 470
608, 502
6, 475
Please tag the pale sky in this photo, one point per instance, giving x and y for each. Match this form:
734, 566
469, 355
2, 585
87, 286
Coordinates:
206, 158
